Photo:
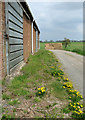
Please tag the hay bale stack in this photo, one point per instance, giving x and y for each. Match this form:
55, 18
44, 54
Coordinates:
53, 46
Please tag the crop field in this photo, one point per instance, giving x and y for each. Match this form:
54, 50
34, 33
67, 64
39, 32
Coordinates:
78, 47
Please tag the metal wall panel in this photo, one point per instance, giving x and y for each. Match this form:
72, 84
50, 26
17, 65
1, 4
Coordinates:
15, 41
36, 41
14, 55
15, 61
15, 48
12, 18
15, 32
15, 27
12, 11
17, 8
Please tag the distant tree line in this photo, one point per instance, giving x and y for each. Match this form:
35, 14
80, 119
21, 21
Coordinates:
48, 41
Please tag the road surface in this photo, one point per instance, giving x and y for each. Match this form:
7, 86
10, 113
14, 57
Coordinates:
72, 64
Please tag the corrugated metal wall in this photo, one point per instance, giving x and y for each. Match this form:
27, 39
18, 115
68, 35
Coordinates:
14, 30
36, 41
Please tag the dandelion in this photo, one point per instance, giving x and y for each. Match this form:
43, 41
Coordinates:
78, 103
81, 106
81, 96
80, 111
38, 88
63, 86
78, 106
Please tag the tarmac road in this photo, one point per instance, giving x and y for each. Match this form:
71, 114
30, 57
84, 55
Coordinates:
72, 64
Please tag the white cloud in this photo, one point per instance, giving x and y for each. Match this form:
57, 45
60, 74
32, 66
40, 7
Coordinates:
58, 20
80, 28
55, 0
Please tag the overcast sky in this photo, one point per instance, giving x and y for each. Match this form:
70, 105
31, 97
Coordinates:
57, 20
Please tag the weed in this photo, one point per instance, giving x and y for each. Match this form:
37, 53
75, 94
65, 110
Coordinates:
57, 90
66, 109
5, 96
25, 111
14, 110
36, 99
13, 102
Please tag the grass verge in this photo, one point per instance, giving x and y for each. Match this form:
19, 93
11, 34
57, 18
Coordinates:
39, 86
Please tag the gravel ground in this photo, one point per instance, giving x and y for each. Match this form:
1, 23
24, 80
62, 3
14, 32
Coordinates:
72, 64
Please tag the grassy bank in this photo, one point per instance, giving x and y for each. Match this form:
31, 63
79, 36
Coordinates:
41, 91
21, 97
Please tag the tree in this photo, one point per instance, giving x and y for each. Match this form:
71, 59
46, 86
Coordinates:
66, 42
51, 41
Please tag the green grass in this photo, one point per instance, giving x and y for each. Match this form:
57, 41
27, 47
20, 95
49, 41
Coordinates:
57, 90
14, 102
78, 47
36, 73
5, 96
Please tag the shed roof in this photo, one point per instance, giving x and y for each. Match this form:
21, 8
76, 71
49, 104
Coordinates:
27, 9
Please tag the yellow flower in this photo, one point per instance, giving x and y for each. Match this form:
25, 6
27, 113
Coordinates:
38, 88
78, 106
78, 103
74, 106
81, 96
39, 92
81, 106
63, 86
43, 90
77, 93
80, 111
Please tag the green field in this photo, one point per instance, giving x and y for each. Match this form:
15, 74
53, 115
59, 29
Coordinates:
78, 47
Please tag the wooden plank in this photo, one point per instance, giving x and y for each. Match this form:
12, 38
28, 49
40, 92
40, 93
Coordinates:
15, 48
15, 34
15, 41
15, 55
15, 27
17, 7
15, 13
12, 18
15, 61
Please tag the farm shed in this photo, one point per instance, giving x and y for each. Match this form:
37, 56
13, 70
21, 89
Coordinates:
19, 36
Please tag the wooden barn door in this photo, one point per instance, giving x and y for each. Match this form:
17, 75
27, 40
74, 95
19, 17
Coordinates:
14, 35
